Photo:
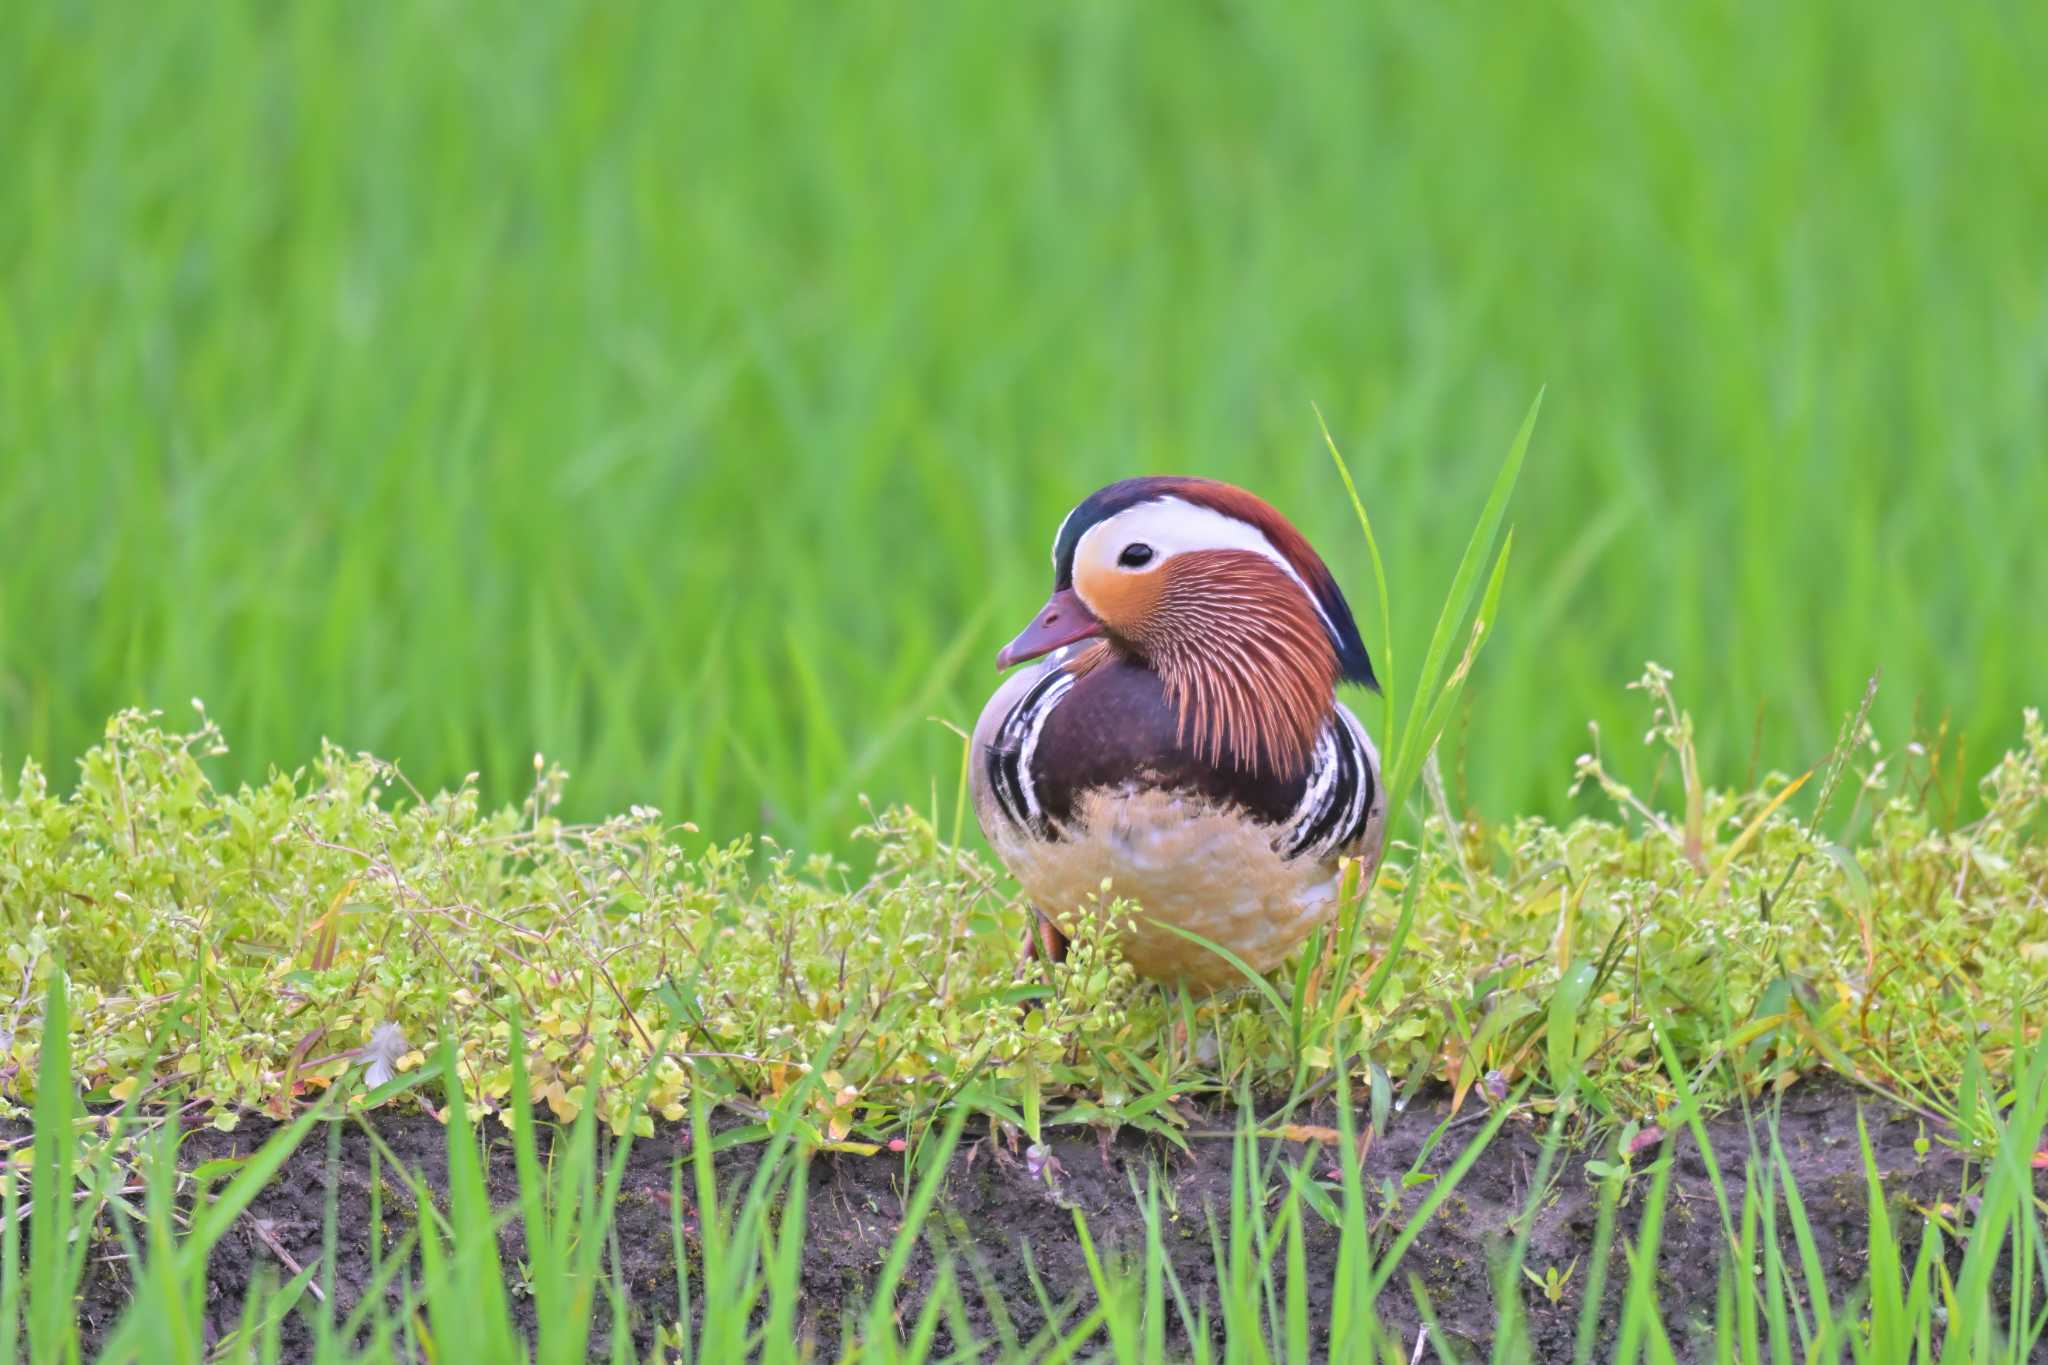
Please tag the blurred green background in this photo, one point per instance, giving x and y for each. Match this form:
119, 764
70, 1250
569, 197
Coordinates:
692, 391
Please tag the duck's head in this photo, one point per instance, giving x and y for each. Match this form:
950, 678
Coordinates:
1211, 587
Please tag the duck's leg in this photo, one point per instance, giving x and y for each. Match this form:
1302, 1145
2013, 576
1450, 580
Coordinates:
1044, 939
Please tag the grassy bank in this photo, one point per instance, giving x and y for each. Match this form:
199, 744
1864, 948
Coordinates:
541, 1247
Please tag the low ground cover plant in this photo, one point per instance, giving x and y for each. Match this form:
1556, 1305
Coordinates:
247, 951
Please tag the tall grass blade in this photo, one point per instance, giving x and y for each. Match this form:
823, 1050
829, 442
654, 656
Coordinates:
52, 1331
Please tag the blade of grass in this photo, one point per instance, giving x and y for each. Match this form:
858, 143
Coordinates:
52, 1331
1386, 671
1887, 1289
1415, 741
914, 1214
1642, 1329
1816, 1294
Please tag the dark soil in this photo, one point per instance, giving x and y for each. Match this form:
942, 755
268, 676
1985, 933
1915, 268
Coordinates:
993, 1206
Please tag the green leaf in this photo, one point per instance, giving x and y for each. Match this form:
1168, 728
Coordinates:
1561, 1031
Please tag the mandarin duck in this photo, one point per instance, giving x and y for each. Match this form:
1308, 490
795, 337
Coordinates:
1180, 737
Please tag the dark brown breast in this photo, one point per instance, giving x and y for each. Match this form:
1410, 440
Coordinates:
1117, 727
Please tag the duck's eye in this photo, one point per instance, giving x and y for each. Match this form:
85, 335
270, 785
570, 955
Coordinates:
1135, 556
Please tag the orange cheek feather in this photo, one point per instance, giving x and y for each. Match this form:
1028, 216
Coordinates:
1121, 600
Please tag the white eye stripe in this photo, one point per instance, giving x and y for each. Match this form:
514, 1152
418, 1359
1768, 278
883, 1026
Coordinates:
1059, 534
1174, 526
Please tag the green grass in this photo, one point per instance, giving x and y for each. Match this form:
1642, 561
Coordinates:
692, 393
